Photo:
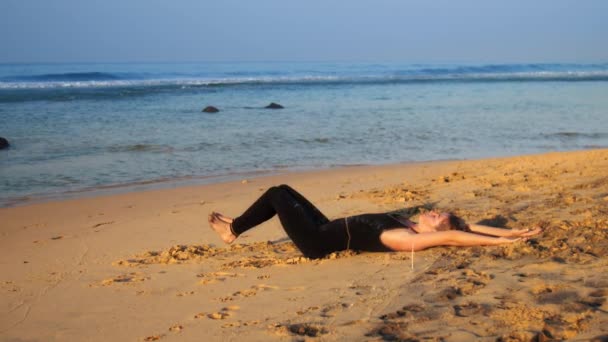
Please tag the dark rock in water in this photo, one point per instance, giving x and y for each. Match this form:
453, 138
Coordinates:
210, 109
274, 106
4, 143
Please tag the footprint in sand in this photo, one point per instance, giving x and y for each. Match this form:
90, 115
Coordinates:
310, 308
469, 282
392, 331
333, 310
102, 224
245, 293
556, 296
248, 292
362, 290
176, 328
177, 254
448, 293
302, 329
219, 315
561, 328
523, 276
213, 277
222, 314
239, 323
250, 323
408, 311
128, 278
471, 309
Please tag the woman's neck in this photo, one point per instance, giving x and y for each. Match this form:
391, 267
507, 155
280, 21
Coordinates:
412, 225
409, 224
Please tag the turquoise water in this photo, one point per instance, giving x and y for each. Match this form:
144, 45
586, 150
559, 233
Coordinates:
90, 126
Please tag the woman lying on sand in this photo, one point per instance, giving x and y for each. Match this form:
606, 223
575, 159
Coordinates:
316, 236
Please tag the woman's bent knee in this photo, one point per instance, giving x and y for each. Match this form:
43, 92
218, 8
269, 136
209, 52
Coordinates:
284, 187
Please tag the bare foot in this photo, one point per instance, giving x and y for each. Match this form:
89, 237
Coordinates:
221, 227
222, 217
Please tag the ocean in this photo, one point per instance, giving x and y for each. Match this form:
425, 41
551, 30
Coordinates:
76, 128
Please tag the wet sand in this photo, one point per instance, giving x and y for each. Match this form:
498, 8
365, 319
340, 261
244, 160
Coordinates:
145, 266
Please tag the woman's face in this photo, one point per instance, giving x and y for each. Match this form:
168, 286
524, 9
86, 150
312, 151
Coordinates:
433, 221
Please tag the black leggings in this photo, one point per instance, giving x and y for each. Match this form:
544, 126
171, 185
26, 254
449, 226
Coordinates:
311, 231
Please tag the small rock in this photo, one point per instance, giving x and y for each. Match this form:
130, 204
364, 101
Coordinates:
4, 143
210, 109
274, 106
244, 181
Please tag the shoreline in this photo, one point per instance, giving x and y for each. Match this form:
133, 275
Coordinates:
189, 181
143, 265
116, 189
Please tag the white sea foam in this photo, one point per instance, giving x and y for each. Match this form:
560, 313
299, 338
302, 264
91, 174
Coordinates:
164, 82
412, 76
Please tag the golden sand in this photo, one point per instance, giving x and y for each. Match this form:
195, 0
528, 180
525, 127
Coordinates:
145, 265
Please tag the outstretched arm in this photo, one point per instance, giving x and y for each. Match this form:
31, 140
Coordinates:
481, 229
404, 241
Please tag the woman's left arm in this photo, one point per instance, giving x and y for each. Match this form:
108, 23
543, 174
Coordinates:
408, 242
492, 231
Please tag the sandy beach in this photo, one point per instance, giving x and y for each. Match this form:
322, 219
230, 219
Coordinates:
144, 266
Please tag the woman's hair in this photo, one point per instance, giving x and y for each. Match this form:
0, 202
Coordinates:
456, 223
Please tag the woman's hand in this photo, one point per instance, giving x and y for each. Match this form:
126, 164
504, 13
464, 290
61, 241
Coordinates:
525, 233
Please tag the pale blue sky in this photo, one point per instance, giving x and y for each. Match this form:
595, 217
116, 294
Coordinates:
311, 30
